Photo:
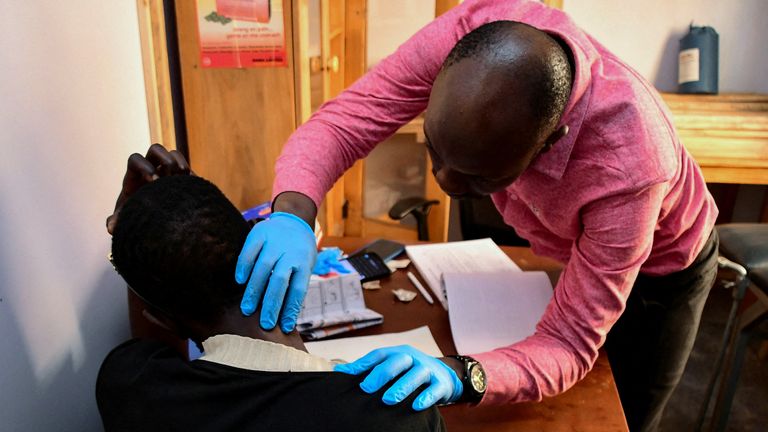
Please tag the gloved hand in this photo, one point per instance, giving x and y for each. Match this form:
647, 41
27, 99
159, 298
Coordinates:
327, 261
388, 363
278, 255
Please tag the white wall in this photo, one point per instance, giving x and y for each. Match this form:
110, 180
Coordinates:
392, 22
645, 34
72, 109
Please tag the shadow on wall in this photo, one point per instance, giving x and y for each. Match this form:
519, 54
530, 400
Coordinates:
666, 75
68, 390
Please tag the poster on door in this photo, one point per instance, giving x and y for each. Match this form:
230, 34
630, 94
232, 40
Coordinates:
241, 33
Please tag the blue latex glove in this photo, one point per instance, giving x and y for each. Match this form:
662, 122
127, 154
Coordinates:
327, 261
388, 363
278, 255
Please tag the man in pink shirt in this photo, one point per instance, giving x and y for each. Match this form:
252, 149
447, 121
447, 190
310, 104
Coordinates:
579, 155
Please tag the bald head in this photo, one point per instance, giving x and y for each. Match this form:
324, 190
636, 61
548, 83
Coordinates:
523, 59
495, 105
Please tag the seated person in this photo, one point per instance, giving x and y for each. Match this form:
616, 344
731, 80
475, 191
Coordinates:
176, 243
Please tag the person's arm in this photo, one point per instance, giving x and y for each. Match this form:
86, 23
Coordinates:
278, 255
349, 126
298, 204
588, 299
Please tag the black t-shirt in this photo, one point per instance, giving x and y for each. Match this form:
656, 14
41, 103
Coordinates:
147, 386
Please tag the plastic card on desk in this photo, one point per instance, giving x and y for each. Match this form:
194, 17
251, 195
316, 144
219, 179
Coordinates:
471, 256
492, 310
334, 300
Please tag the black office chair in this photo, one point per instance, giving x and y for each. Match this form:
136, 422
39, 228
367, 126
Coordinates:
744, 251
417, 207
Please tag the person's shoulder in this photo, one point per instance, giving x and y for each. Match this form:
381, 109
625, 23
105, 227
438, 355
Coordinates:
137, 352
350, 406
127, 375
634, 127
127, 362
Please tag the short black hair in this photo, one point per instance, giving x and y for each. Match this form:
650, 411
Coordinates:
547, 74
176, 243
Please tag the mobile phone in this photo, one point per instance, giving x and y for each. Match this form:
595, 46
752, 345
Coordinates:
386, 249
369, 265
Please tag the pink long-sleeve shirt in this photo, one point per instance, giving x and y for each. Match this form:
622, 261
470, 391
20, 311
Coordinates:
617, 196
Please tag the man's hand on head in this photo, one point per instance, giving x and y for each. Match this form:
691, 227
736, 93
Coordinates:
158, 162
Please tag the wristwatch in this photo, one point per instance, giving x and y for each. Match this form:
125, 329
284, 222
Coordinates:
474, 380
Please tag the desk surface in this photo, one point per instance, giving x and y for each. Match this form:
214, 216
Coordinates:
591, 405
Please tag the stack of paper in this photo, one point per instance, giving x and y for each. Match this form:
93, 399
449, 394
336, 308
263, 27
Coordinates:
472, 256
492, 310
334, 304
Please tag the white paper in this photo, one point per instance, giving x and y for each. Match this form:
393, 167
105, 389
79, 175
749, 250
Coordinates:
492, 310
350, 349
471, 256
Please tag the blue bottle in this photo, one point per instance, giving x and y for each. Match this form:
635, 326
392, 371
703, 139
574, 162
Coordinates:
698, 61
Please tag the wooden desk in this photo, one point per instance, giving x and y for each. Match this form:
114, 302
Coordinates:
591, 405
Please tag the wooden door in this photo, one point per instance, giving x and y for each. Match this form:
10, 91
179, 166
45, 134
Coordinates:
237, 119
333, 43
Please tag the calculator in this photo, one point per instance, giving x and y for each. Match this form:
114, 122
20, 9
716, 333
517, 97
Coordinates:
369, 265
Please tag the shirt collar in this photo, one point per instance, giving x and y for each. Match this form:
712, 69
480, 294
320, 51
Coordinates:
255, 354
554, 162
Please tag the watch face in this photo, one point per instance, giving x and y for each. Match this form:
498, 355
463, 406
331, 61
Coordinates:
477, 378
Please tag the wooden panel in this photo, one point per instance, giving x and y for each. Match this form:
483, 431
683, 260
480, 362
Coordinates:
355, 28
741, 175
157, 82
727, 134
237, 119
301, 71
354, 40
553, 3
374, 228
416, 127
333, 52
731, 121
353, 192
443, 6
721, 102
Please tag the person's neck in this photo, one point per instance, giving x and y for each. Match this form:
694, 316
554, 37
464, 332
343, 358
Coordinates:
237, 324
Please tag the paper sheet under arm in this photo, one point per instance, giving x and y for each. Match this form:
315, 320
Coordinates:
471, 256
352, 348
492, 310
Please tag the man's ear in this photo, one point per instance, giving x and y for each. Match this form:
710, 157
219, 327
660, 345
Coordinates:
554, 137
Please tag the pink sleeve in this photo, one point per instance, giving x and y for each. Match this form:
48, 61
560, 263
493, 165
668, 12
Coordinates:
588, 299
348, 127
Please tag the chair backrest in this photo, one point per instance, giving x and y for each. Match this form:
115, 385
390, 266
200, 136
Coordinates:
480, 219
